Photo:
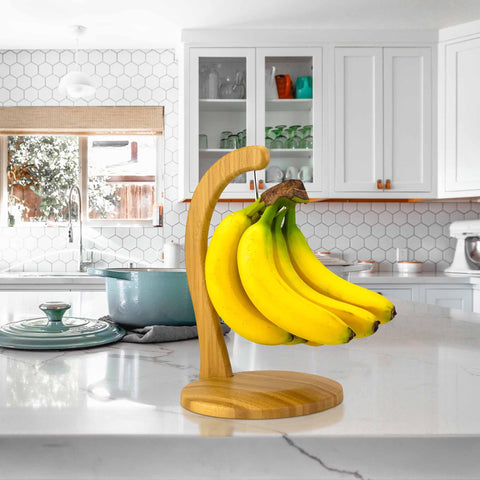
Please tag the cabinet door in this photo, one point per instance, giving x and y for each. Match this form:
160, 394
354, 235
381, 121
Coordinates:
407, 119
296, 146
462, 127
460, 299
220, 97
392, 291
358, 119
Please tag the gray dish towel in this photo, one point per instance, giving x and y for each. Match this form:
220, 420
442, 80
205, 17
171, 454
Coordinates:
162, 333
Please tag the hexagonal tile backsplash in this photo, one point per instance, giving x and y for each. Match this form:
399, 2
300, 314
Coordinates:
360, 231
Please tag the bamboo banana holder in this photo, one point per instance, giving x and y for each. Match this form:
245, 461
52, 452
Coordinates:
219, 392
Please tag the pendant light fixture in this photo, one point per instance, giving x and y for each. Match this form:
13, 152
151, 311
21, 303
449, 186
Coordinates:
77, 84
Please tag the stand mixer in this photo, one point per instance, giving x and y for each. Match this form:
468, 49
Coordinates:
467, 250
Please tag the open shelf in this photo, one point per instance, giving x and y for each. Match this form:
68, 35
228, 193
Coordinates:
290, 152
288, 104
222, 105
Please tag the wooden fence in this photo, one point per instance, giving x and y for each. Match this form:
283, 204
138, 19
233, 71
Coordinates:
136, 202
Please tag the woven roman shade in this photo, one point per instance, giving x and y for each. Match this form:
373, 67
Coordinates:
81, 120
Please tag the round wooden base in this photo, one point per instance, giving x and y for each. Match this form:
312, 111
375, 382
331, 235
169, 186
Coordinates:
262, 394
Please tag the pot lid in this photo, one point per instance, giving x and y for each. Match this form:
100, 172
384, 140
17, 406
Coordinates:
54, 332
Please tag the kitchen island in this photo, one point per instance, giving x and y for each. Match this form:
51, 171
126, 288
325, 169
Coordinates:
410, 410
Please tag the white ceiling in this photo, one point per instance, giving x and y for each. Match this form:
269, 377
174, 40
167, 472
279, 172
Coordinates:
41, 24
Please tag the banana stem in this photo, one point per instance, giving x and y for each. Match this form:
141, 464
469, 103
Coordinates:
290, 220
256, 207
270, 212
277, 223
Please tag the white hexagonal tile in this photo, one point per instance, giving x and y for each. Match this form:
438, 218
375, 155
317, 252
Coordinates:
301, 218
328, 218
335, 231
129, 243
421, 231
392, 230
385, 243
321, 230
342, 243
356, 218
371, 243
327, 244
414, 243
364, 230
371, 218
378, 230
357, 242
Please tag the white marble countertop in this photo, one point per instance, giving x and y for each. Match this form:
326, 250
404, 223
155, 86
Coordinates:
410, 410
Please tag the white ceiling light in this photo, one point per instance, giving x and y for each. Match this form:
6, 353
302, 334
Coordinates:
77, 84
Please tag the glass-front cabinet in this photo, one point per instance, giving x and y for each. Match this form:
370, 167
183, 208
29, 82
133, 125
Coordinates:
254, 96
289, 115
221, 114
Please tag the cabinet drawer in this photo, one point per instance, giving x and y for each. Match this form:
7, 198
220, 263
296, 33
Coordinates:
460, 298
403, 292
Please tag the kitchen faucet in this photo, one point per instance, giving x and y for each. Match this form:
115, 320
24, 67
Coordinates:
82, 266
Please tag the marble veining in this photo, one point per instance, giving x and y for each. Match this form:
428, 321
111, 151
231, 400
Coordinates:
114, 411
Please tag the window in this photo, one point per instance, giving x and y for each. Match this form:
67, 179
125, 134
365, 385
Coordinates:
119, 175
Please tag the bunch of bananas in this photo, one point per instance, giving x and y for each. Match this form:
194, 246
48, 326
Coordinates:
267, 285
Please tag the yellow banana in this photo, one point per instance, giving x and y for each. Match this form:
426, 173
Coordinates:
274, 298
225, 289
319, 277
361, 321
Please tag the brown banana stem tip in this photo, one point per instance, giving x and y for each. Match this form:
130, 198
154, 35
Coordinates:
375, 326
352, 335
291, 189
394, 312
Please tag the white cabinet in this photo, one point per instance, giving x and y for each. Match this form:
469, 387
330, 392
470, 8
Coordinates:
462, 118
212, 108
358, 119
458, 298
292, 128
383, 122
297, 114
403, 292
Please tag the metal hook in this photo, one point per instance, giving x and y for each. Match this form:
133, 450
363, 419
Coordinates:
256, 184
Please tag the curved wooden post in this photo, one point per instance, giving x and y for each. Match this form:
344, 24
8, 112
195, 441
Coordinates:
214, 360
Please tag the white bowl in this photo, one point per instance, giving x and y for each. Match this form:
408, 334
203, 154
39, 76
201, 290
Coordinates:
370, 265
409, 267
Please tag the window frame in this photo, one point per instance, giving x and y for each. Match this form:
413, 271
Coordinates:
83, 184
84, 122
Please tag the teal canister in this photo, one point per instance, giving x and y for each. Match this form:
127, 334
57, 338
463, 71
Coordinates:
303, 87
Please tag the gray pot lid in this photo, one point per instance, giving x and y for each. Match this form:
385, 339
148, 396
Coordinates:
54, 332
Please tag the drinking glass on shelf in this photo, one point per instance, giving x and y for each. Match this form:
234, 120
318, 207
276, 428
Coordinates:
294, 140
268, 137
223, 138
213, 81
202, 141
280, 141
232, 142
307, 140
242, 138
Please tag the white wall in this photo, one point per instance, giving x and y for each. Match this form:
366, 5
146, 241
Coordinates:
148, 77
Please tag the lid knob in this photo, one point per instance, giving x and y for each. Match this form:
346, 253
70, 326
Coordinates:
54, 310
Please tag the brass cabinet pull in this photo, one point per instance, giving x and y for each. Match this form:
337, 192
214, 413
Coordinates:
261, 185
388, 184
251, 185
379, 184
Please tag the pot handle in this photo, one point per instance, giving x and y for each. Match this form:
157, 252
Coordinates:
100, 272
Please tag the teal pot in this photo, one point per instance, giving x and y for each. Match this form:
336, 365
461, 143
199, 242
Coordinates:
138, 297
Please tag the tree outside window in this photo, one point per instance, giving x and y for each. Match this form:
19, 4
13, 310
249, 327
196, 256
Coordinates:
41, 169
